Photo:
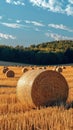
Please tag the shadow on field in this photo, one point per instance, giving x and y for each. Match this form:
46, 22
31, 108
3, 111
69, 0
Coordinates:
66, 105
6, 86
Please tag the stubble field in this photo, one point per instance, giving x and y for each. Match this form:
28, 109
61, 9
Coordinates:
15, 116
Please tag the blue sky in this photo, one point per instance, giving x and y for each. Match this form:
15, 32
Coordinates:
26, 22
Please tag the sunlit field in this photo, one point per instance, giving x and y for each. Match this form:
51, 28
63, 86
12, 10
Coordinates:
15, 116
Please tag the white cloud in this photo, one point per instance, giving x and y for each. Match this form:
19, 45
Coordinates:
8, 1
70, 1
17, 2
57, 37
37, 30
18, 21
6, 36
69, 10
1, 17
35, 23
60, 6
14, 25
52, 5
60, 26
27, 21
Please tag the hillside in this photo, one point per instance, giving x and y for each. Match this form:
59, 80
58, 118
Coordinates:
55, 46
56, 52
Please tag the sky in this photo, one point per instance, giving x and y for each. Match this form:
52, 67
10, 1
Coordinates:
27, 22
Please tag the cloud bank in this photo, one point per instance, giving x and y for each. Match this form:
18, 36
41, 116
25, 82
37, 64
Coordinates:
60, 6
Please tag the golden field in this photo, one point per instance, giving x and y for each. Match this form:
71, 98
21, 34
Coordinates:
15, 116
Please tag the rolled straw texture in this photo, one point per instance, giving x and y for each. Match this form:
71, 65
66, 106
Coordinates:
41, 87
10, 73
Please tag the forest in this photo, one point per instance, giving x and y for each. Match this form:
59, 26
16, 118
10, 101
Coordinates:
49, 53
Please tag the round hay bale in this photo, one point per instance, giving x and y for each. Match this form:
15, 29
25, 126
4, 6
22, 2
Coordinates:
24, 70
63, 67
5, 69
44, 67
40, 68
59, 69
54, 68
10, 73
32, 68
41, 88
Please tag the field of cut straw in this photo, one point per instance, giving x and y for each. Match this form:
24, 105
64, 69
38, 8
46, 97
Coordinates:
15, 116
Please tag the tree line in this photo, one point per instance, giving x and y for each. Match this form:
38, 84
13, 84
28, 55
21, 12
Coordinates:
38, 56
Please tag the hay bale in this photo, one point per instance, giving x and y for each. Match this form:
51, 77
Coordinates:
54, 68
59, 69
32, 68
44, 67
5, 69
24, 70
40, 68
10, 73
63, 67
41, 87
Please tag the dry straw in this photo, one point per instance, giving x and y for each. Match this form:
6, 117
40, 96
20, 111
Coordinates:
41, 87
10, 73
5, 69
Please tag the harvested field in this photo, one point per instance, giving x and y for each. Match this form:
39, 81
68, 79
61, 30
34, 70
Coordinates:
15, 116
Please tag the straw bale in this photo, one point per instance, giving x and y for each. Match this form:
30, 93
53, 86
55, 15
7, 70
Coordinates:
10, 73
5, 69
32, 68
59, 69
44, 67
41, 87
24, 70
40, 68
63, 67
54, 68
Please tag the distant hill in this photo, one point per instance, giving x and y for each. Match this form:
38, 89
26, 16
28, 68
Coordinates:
49, 53
54, 46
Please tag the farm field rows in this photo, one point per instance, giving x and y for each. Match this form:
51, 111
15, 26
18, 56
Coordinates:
15, 116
